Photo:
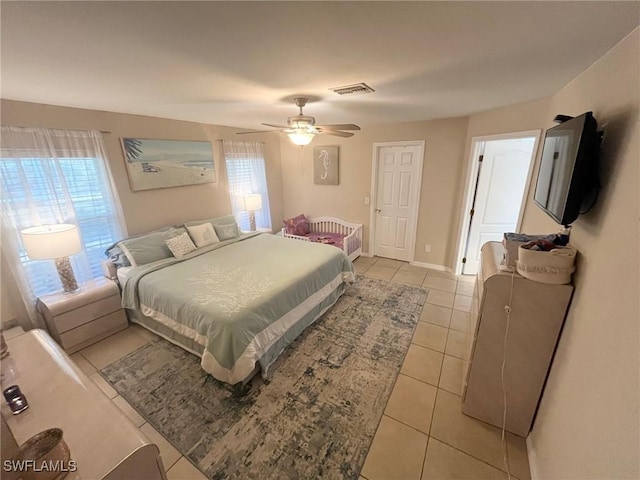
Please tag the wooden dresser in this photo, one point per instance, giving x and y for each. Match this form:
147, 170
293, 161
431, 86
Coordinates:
102, 440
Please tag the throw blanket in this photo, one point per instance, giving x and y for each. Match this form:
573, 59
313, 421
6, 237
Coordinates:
244, 300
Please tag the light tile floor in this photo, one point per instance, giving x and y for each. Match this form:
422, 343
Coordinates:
423, 433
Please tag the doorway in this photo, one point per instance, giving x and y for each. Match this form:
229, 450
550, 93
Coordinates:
395, 190
497, 187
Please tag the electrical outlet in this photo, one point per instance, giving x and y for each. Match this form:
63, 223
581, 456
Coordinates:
427, 248
366, 200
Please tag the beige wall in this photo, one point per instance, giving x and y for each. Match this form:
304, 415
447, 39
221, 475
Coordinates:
588, 425
149, 209
146, 210
443, 162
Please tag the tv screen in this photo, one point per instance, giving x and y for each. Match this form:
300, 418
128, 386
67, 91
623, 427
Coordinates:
568, 168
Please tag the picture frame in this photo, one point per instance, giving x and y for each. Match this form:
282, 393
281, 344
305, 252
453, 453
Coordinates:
153, 163
326, 160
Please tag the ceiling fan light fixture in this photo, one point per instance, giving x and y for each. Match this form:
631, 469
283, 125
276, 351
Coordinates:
301, 137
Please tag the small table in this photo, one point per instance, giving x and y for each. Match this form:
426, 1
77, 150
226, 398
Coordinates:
85, 316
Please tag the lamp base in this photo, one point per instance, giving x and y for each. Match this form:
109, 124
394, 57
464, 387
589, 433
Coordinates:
65, 272
252, 220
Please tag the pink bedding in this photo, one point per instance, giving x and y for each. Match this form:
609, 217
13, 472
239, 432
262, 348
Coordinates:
336, 239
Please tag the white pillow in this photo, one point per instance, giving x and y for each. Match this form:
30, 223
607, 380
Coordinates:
203, 234
181, 245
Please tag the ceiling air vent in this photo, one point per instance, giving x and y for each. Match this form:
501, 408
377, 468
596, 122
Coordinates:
356, 89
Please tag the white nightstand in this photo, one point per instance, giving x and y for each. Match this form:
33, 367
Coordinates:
78, 319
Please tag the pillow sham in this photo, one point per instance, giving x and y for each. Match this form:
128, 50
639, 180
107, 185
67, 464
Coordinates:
149, 248
180, 245
227, 231
297, 225
203, 234
226, 220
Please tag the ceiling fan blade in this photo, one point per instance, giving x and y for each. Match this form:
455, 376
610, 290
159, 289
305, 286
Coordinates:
275, 126
341, 126
337, 133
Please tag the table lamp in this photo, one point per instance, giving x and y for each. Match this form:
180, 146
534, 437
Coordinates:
57, 242
251, 203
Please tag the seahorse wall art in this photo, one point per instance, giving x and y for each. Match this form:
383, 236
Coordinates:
325, 165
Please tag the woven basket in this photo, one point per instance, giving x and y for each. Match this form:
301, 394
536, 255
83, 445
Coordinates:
555, 266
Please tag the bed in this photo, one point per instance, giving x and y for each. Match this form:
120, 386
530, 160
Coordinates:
330, 230
238, 303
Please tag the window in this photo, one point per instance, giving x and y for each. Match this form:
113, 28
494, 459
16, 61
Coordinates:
246, 176
56, 176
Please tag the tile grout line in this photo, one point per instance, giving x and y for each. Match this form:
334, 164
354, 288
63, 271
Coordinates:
470, 454
433, 413
405, 424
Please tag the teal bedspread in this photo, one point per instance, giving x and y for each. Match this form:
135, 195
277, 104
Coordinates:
243, 300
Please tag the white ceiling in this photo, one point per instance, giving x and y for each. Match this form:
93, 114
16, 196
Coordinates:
241, 63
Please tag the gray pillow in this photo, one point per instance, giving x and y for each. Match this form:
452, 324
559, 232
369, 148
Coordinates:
118, 257
227, 231
149, 248
226, 220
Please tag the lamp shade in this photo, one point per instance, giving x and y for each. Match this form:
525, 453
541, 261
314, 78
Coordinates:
51, 241
301, 137
252, 202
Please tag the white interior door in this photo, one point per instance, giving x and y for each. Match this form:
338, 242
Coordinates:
399, 170
499, 194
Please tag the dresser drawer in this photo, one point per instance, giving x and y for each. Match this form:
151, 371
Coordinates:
94, 330
79, 316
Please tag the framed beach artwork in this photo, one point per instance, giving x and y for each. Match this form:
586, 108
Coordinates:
155, 164
325, 165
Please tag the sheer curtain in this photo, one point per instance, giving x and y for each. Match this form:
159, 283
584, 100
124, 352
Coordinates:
55, 176
246, 175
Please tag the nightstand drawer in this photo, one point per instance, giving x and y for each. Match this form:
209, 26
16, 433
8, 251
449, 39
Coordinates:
93, 331
79, 316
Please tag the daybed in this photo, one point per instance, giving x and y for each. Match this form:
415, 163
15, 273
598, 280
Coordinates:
330, 230
236, 303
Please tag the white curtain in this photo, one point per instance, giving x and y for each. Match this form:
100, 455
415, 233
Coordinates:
246, 175
55, 176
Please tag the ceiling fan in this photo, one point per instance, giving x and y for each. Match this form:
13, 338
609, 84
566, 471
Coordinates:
302, 128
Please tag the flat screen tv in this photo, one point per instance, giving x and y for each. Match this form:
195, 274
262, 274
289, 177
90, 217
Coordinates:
568, 174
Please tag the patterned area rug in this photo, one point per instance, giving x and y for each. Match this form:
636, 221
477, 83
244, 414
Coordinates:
317, 415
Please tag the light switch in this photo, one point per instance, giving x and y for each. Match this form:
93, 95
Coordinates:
366, 200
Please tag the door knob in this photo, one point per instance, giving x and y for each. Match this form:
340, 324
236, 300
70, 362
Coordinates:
378, 210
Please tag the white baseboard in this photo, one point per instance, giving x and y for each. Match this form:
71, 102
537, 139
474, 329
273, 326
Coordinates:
431, 266
533, 466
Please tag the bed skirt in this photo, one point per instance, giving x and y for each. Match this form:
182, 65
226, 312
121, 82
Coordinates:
197, 349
